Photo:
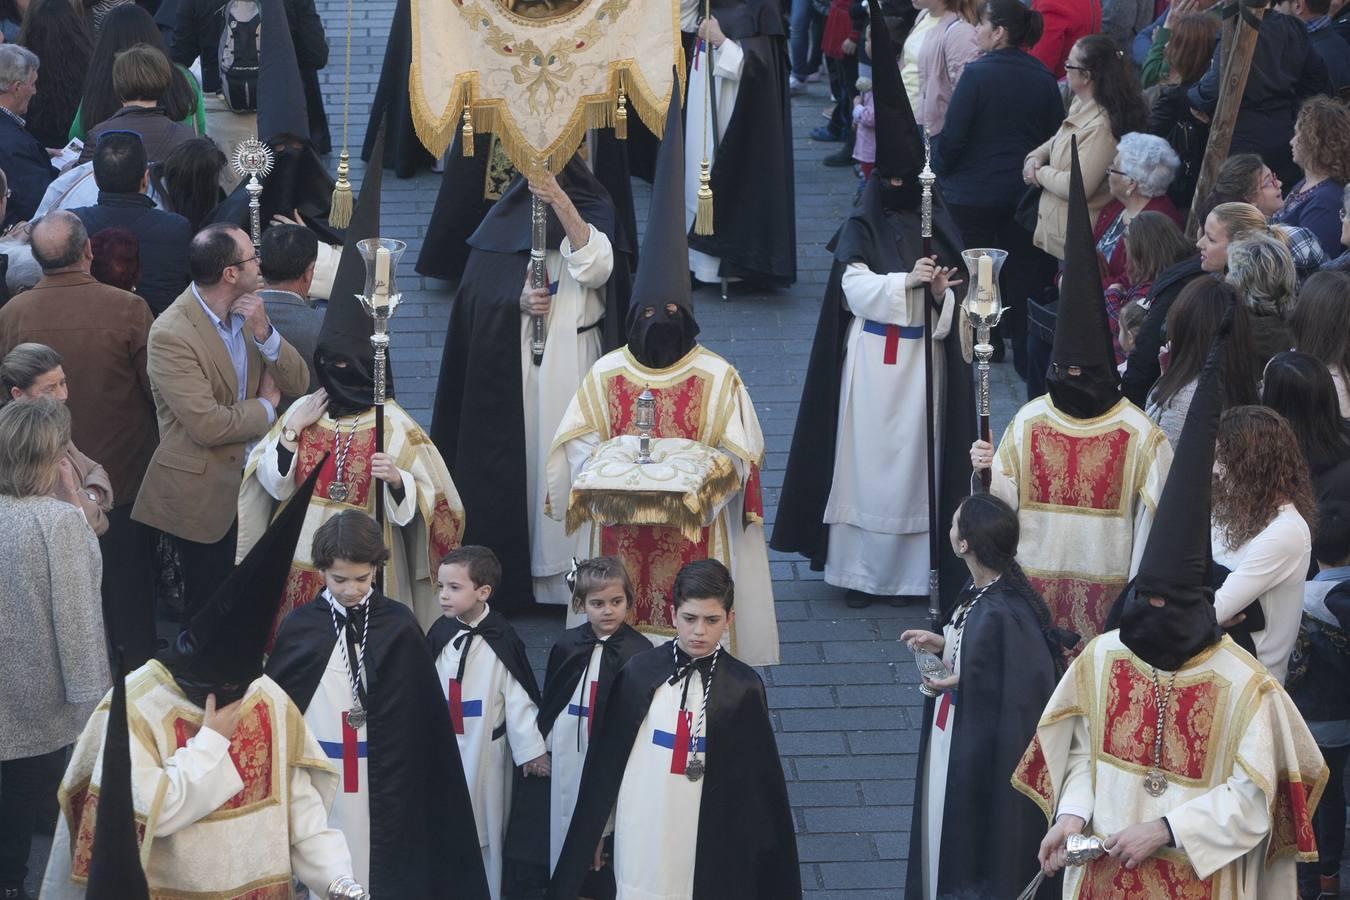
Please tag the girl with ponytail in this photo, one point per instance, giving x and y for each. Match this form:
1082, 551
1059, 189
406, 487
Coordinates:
1005, 659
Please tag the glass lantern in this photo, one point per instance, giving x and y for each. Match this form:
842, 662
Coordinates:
984, 302
381, 256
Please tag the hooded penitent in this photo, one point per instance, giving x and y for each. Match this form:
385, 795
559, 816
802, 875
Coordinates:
115, 871
344, 359
1082, 332
1176, 560
281, 102
220, 651
658, 337
900, 150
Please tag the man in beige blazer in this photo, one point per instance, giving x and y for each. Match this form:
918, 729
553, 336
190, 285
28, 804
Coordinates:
217, 371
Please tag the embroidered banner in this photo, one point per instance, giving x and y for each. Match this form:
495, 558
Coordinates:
538, 73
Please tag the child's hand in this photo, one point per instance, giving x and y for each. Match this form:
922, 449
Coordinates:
598, 861
540, 766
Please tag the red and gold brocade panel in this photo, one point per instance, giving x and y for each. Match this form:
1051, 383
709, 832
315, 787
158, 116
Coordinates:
1292, 830
1105, 878
253, 752
754, 498
653, 556
1080, 472
1033, 775
316, 440
1077, 604
280, 891
680, 407
1130, 714
302, 585
84, 813
444, 532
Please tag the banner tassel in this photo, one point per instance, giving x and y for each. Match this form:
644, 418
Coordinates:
621, 116
703, 215
466, 133
340, 210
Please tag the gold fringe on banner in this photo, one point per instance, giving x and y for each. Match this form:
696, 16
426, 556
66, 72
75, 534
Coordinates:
340, 209
703, 214
689, 512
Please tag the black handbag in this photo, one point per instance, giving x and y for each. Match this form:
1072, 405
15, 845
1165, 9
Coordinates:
1029, 208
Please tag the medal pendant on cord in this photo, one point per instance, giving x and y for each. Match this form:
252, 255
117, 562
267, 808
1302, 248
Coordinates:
693, 770
356, 716
1155, 782
337, 491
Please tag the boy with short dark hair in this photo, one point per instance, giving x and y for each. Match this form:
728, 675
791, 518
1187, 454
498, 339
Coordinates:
681, 716
491, 693
357, 666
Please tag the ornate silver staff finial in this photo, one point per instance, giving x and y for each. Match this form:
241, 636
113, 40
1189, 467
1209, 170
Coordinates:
253, 159
927, 178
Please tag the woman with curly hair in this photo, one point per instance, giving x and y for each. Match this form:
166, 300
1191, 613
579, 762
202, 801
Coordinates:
1321, 328
1321, 146
1004, 659
57, 33
1261, 530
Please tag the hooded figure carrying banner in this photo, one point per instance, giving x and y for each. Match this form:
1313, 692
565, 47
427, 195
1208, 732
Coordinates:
1082, 465
334, 428
854, 498
496, 410
230, 789
699, 397
1168, 741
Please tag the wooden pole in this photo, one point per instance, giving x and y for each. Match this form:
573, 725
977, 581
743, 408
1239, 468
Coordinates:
1239, 43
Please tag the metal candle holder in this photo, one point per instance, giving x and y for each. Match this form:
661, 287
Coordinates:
644, 416
253, 160
381, 298
984, 308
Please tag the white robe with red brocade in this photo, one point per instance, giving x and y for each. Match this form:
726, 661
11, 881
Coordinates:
701, 398
1085, 491
1244, 774
418, 532
216, 818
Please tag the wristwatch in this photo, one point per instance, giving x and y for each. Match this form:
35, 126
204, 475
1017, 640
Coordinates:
289, 436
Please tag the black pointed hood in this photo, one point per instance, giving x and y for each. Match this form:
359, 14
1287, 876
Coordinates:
281, 94
662, 339
1082, 331
221, 649
899, 141
115, 871
345, 335
1176, 561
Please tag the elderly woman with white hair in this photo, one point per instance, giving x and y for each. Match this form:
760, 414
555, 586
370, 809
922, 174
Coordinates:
1138, 179
1261, 268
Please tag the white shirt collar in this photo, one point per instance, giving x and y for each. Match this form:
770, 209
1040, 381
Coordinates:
475, 623
337, 607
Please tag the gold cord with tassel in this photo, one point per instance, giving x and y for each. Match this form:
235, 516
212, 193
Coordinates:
340, 209
621, 114
703, 212
466, 133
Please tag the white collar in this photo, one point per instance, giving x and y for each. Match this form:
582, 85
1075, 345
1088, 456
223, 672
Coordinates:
475, 622
338, 608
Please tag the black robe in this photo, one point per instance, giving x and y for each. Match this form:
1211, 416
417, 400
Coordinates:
403, 151
754, 212
422, 833
747, 849
990, 832
869, 236
526, 839
477, 421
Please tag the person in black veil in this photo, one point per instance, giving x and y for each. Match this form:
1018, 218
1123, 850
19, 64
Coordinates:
497, 410
854, 498
750, 147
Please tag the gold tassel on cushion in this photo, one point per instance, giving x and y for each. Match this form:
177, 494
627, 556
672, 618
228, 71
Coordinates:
703, 215
340, 210
466, 133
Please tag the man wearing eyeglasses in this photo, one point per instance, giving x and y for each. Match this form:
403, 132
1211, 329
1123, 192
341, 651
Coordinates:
217, 371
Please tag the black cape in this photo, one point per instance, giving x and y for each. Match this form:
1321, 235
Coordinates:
746, 846
476, 422
403, 152
422, 833
754, 211
1007, 676
568, 660
800, 526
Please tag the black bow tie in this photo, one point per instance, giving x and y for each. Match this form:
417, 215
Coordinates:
686, 664
355, 617
462, 641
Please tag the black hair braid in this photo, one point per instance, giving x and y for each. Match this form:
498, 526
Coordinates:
1054, 637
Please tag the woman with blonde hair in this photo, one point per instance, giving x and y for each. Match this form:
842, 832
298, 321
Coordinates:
1262, 271
1226, 223
53, 660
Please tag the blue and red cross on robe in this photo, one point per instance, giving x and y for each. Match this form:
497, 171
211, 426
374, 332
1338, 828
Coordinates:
681, 743
460, 709
587, 710
893, 334
349, 750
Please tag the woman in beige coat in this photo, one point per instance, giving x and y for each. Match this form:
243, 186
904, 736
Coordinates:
1107, 104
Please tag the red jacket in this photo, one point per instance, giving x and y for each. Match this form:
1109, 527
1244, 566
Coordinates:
1115, 266
1065, 22
838, 28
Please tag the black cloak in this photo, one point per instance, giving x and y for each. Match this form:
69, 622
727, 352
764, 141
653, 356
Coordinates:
747, 849
887, 242
1007, 676
422, 833
405, 153
471, 185
754, 212
476, 422
570, 657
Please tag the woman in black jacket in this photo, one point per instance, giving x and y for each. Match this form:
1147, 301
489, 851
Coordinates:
1188, 51
1005, 105
1299, 387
